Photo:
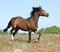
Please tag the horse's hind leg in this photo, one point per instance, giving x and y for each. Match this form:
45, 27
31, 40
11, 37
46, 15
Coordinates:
14, 33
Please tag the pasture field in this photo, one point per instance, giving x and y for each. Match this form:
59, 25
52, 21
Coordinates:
47, 43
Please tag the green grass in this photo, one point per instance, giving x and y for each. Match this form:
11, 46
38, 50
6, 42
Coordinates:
47, 43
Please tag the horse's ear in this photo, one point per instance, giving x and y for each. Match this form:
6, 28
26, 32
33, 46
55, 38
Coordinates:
40, 7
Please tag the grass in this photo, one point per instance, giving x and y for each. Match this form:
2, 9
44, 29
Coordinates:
47, 43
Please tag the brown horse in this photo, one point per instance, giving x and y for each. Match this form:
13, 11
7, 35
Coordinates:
30, 24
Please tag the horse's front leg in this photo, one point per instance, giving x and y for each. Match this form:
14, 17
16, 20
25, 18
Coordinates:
39, 33
30, 36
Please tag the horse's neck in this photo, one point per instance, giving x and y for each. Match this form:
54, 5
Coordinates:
35, 18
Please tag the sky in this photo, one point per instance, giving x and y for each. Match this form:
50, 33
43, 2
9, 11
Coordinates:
12, 8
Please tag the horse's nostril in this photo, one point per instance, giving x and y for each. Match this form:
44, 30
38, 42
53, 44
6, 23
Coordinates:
47, 15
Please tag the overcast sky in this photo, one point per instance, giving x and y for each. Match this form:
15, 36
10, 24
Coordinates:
11, 8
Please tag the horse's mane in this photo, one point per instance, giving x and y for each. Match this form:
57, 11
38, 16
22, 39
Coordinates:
32, 12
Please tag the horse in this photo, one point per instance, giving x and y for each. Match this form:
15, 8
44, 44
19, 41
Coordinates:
29, 24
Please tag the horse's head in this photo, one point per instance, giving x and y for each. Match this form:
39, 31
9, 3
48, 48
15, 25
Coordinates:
40, 11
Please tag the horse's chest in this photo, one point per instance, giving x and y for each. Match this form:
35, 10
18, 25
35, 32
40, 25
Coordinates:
32, 26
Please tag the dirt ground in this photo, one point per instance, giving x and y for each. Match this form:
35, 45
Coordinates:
47, 43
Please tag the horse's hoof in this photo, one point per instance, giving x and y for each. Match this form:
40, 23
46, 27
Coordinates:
28, 41
36, 40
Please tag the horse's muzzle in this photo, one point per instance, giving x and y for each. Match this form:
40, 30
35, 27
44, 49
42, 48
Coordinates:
47, 15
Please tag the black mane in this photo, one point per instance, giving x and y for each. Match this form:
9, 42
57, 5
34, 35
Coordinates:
34, 10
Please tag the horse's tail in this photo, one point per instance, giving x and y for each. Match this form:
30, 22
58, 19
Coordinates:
8, 26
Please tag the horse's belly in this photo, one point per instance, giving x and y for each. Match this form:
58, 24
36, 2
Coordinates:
22, 25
